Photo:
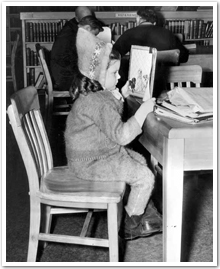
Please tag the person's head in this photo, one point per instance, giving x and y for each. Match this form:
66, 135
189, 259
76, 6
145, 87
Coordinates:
98, 65
82, 12
112, 75
144, 14
91, 24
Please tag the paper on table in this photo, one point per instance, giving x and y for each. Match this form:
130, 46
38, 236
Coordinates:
197, 99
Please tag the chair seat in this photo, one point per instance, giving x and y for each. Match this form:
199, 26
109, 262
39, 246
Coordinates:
62, 185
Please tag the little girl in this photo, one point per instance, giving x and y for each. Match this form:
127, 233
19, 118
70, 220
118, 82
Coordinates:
96, 135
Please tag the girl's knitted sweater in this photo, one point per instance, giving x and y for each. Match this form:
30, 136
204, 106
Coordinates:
94, 127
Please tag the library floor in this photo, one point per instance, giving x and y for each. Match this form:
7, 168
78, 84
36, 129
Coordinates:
197, 223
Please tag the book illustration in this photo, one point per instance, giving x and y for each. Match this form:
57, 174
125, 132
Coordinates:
141, 70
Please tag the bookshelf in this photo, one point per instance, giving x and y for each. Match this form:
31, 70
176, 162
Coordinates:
42, 27
12, 28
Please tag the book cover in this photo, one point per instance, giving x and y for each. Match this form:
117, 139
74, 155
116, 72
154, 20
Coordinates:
164, 112
161, 111
141, 71
186, 29
191, 29
32, 76
203, 29
27, 32
39, 81
200, 28
31, 34
28, 56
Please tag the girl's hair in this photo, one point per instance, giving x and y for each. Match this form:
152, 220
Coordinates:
83, 85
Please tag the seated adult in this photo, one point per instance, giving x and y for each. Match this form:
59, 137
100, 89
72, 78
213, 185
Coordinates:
64, 60
80, 13
147, 33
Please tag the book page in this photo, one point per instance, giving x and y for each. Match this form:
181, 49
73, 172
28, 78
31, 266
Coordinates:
140, 71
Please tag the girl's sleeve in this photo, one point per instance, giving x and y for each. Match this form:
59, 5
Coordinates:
108, 119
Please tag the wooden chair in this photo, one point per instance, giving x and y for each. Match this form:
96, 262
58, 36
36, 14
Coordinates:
180, 37
13, 56
165, 57
76, 196
53, 108
184, 76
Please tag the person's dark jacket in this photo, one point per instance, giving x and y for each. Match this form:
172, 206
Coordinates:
64, 59
151, 36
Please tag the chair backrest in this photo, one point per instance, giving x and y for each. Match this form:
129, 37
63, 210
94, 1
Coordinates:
41, 52
179, 36
142, 68
13, 56
170, 57
106, 35
184, 76
28, 127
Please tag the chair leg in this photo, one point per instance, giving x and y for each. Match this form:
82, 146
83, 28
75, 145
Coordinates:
35, 215
113, 232
46, 221
120, 213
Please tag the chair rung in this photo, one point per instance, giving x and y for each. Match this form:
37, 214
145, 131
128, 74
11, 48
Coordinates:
61, 113
88, 241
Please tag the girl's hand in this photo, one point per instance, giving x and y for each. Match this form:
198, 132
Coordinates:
144, 110
125, 90
149, 105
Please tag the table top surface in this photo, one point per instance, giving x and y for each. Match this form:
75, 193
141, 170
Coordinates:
171, 128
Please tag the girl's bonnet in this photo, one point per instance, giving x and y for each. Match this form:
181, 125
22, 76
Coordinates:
93, 55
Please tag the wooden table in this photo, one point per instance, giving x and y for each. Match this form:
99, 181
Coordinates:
178, 147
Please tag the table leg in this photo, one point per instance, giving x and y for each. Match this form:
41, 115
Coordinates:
173, 157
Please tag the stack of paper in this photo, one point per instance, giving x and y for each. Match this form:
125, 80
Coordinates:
191, 105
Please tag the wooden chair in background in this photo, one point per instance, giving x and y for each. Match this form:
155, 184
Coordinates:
166, 57
184, 76
53, 106
180, 37
45, 181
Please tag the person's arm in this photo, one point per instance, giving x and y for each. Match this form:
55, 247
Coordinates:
184, 53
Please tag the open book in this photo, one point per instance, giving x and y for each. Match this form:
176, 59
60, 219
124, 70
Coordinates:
191, 105
141, 71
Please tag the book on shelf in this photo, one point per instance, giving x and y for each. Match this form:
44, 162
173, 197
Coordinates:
40, 81
32, 76
200, 24
192, 105
190, 28
31, 57
43, 31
